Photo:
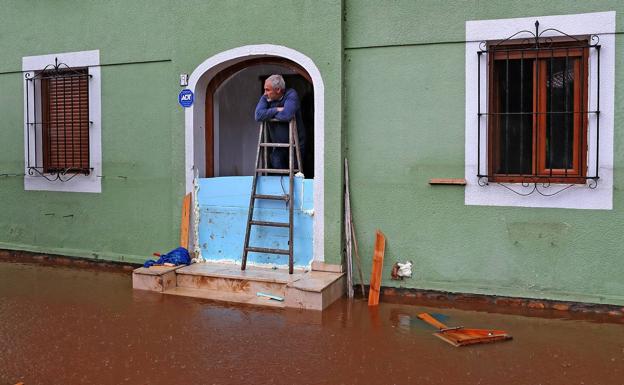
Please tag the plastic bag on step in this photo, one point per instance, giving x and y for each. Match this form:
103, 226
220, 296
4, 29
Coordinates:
179, 256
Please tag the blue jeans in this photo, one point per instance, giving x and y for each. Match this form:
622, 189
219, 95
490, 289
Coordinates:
278, 133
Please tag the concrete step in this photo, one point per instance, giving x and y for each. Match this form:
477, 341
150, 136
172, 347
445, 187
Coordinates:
313, 290
230, 278
222, 296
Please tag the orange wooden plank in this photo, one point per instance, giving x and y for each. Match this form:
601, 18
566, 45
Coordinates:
375, 281
463, 337
460, 336
432, 321
186, 216
451, 181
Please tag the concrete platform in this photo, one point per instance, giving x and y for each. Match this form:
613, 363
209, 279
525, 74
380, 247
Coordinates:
154, 278
312, 290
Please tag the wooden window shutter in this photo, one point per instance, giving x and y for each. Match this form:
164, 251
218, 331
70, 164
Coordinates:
65, 108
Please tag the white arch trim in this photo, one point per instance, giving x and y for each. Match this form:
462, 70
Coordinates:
195, 115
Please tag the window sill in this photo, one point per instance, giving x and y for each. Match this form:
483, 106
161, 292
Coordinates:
79, 183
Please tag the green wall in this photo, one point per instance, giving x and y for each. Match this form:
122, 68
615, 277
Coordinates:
405, 123
126, 221
144, 46
206, 28
394, 104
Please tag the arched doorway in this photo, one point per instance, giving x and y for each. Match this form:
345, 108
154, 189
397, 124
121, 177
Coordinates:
211, 74
231, 97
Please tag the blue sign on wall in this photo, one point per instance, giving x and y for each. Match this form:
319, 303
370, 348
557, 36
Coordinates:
185, 98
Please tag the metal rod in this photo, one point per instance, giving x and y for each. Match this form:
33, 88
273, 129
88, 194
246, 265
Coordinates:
478, 116
549, 117
80, 125
541, 177
347, 232
533, 49
536, 34
72, 160
65, 122
565, 116
28, 83
598, 110
35, 119
47, 126
582, 131
56, 125
522, 110
507, 116
536, 93
88, 124
539, 113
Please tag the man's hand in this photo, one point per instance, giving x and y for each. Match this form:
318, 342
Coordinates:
280, 109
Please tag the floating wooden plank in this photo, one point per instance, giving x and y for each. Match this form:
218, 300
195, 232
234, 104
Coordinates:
460, 336
186, 221
448, 181
375, 281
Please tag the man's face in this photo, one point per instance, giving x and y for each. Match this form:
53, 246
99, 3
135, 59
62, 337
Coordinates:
271, 93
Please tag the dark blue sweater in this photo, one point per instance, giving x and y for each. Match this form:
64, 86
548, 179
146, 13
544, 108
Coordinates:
266, 110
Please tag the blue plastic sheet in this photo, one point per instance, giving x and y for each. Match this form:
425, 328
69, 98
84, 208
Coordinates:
179, 256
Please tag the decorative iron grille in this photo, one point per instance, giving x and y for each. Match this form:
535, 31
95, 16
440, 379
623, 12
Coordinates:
57, 122
538, 111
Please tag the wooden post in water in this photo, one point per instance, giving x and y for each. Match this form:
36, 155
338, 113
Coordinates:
375, 281
186, 217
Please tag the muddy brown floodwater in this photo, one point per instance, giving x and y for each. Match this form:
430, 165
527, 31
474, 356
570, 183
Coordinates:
61, 325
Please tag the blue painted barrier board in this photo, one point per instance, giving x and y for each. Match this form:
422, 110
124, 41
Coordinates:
224, 205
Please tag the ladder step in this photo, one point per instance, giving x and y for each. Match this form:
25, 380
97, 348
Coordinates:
269, 251
273, 197
273, 224
274, 170
274, 145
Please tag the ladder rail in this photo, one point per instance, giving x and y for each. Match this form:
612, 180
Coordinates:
291, 203
252, 199
265, 152
293, 122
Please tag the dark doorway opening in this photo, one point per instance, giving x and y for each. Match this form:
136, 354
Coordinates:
231, 97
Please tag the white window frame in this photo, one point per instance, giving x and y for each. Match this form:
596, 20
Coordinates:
79, 183
579, 196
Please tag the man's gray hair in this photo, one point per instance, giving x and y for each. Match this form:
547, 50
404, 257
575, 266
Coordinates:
277, 81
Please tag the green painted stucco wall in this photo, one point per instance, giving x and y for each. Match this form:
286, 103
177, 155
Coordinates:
138, 211
405, 123
394, 104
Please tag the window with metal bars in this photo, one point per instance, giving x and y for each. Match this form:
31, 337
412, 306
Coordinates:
58, 118
537, 114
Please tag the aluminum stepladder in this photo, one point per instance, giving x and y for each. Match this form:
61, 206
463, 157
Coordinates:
261, 168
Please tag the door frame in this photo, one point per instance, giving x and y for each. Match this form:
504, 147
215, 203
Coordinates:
195, 119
